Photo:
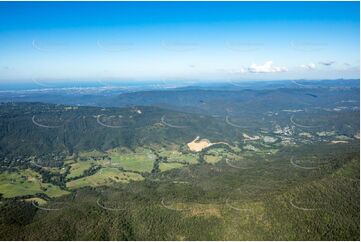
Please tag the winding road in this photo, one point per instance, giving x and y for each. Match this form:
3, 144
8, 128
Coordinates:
303, 167
301, 208
236, 208
110, 209
106, 125
235, 125
237, 167
45, 209
171, 125
171, 208
43, 125
303, 126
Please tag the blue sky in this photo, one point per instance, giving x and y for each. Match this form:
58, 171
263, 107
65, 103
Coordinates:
179, 40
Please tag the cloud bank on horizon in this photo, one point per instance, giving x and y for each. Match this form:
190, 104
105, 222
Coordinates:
266, 68
165, 40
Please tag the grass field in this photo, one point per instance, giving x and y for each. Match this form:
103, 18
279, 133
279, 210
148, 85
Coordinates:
77, 169
104, 176
93, 153
169, 166
176, 156
36, 199
26, 182
214, 155
141, 160
212, 159
269, 200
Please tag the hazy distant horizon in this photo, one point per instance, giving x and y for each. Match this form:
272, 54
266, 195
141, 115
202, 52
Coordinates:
79, 84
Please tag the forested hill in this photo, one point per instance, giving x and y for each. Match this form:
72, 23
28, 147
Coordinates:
35, 128
217, 102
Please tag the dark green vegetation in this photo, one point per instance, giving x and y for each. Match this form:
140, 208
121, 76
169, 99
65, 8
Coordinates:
46, 130
284, 166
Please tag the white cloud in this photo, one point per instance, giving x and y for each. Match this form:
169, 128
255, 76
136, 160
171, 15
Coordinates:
266, 68
310, 66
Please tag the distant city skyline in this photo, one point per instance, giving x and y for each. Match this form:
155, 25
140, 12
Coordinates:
205, 41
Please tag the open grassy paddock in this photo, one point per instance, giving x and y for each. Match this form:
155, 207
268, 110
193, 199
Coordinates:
105, 176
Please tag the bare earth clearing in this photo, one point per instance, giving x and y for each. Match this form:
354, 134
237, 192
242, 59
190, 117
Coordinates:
198, 145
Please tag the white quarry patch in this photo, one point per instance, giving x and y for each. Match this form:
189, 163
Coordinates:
305, 134
343, 137
270, 114
357, 136
292, 110
269, 139
287, 131
337, 109
284, 131
250, 147
247, 137
349, 101
278, 129
326, 133
339, 142
138, 111
70, 108
287, 141
198, 144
